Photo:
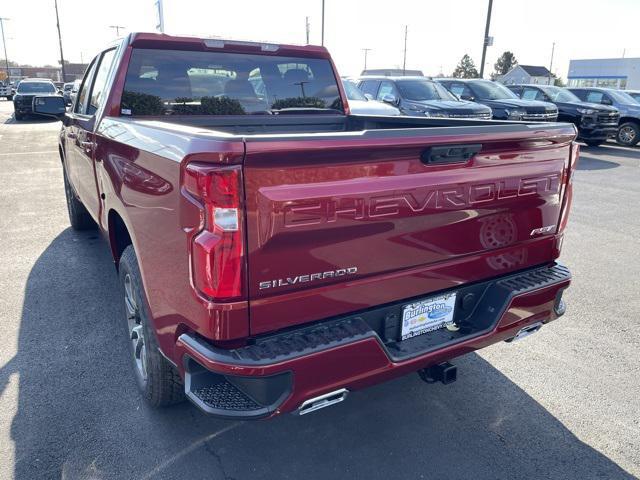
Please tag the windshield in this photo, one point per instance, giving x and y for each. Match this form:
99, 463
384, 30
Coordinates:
36, 87
622, 97
352, 91
420, 90
557, 94
486, 90
165, 82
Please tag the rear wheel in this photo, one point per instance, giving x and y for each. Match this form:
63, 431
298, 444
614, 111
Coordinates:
157, 379
78, 215
628, 134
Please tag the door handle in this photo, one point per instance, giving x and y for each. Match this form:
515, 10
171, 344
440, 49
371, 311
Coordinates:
72, 136
87, 145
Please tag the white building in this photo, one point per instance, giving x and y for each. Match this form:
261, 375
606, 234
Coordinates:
527, 74
622, 73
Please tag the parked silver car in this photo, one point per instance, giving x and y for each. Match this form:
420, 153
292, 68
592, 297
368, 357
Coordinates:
362, 105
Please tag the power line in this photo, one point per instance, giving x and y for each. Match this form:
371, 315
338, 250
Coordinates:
366, 51
117, 28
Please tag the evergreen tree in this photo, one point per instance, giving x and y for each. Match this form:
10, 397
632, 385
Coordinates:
466, 68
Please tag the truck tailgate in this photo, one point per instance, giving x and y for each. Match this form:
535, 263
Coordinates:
342, 222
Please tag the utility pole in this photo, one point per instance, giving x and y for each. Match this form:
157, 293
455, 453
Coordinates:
117, 28
485, 43
553, 48
64, 78
404, 56
322, 37
306, 23
365, 50
624, 50
4, 44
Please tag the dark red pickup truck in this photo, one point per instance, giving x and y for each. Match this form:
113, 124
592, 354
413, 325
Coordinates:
276, 252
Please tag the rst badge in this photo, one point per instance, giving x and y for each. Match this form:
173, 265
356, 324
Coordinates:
310, 277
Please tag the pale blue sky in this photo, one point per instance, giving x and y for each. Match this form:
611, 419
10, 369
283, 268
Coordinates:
440, 31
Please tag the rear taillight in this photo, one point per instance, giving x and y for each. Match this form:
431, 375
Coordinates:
568, 188
217, 252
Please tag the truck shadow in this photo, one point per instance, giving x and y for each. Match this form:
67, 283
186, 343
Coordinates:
79, 415
588, 162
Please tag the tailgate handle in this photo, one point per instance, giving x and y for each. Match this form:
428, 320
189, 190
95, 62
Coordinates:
449, 154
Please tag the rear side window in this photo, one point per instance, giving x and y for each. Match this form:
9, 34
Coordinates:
165, 82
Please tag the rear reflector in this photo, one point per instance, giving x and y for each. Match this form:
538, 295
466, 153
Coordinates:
217, 252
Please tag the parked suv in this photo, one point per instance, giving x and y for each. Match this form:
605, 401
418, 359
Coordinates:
27, 89
595, 122
503, 102
420, 96
629, 126
635, 94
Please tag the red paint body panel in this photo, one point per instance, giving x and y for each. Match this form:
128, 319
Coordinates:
409, 228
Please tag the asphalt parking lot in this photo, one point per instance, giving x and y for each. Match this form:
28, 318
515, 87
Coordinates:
562, 404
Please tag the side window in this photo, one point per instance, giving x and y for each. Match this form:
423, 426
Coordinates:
387, 88
370, 87
99, 89
516, 90
529, 93
83, 93
461, 90
581, 94
595, 97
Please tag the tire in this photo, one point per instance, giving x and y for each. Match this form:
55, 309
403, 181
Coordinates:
628, 134
79, 218
19, 117
594, 143
158, 380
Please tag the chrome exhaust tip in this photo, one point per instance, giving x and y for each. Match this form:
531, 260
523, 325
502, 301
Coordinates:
322, 401
526, 331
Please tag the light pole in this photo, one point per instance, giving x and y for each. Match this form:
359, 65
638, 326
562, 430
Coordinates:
366, 51
404, 57
322, 37
553, 48
64, 77
4, 44
306, 25
117, 28
485, 42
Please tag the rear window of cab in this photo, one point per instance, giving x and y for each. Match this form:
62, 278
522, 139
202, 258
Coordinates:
176, 82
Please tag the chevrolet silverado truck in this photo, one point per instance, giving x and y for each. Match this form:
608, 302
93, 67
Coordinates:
276, 252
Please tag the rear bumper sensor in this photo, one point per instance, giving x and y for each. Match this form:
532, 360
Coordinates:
283, 371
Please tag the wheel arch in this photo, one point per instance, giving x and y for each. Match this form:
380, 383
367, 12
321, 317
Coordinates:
119, 235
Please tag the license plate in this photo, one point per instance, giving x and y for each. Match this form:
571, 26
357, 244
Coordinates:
427, 315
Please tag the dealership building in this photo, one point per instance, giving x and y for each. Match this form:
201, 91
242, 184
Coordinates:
621, 73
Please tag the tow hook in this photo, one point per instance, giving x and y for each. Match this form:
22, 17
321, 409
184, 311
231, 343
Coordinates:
443, 372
